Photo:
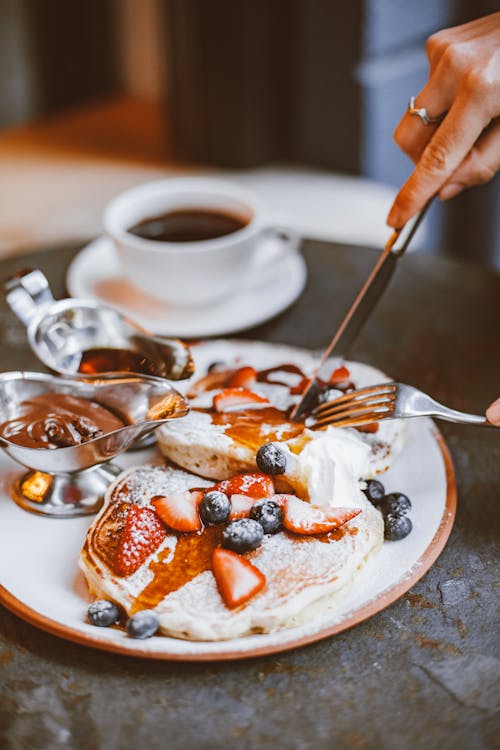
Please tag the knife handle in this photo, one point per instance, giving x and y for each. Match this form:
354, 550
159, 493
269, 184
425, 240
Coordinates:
401, 238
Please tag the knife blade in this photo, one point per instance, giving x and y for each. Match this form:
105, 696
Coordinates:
361, 308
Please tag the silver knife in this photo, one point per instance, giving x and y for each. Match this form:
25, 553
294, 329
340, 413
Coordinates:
361, 308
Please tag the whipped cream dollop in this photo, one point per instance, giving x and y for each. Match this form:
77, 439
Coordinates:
328, 469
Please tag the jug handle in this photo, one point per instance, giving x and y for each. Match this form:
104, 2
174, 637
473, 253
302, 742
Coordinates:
26, 292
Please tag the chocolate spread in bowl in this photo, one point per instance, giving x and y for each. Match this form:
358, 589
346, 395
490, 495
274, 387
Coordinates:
57, 420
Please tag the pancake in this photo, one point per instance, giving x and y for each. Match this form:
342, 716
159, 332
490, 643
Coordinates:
177, 582
303, 570
216, 445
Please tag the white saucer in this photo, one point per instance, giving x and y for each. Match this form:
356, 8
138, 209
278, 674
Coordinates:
95, 272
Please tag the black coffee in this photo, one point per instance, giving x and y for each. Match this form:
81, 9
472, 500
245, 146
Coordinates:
189, 225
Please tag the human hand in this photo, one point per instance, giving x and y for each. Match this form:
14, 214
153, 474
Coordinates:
464, 149
493, 413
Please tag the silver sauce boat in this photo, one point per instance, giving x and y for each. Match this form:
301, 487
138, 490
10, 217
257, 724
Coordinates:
71, 481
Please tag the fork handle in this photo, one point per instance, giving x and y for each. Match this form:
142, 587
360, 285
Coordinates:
452, 415
424, 405
461, 417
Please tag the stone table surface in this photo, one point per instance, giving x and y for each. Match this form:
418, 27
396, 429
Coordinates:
421, 674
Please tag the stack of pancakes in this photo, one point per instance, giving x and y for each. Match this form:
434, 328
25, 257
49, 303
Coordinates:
323, 468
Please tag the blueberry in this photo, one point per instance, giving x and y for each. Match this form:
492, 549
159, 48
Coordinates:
396, 526
374, 491
271, 459
103, 613
242, 535
143, 624
215, 508
268, 514
395, 502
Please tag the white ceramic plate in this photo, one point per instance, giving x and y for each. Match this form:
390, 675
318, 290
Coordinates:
41, 582
95, 272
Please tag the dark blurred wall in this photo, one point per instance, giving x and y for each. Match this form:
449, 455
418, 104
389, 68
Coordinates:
18, 100
232, 70
53, 54
74, 45
257, 80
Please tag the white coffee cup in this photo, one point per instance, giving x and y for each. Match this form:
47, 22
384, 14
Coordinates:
203, 271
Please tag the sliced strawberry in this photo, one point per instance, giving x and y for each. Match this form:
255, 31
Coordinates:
209, 382
237, 399
281, 500
179, 510
340, 375
256, 485
142, 534
236, 578
240, 506
245, 377
303, 518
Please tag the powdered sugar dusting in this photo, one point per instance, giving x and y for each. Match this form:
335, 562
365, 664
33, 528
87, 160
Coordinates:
279, 432
139, 485
297, 570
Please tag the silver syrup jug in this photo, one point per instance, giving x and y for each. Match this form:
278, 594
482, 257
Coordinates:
60, 332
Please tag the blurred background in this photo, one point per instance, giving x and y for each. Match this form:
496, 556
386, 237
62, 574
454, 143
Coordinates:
297, 98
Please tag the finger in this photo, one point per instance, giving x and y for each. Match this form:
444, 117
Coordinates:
411, 134
493, 412
479, 166
445, 151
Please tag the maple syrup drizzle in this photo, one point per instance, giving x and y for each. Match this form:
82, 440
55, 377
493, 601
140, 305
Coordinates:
246, 426
371, 427
192, 556
332, 536
263, 376
107, 359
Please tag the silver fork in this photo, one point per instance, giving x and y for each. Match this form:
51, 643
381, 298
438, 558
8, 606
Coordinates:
386, 401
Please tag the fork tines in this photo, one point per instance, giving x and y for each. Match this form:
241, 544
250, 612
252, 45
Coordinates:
356, 408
